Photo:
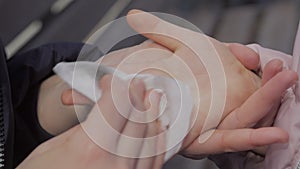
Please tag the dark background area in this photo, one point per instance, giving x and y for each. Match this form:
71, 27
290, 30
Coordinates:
272, 23
30, 23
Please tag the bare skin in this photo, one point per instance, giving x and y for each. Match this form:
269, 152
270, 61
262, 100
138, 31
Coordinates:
74, 149
241, 83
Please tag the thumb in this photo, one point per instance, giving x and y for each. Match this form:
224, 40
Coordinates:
248, 57
156, 29
72, 97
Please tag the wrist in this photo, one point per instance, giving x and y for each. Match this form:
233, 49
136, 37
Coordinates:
87, 151
71, 149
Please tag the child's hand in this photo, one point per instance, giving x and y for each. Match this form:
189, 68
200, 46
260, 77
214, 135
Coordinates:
234, 133
241, 83
258, 111
251, 60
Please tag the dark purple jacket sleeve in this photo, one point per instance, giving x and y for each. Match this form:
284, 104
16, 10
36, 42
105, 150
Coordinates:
26, 72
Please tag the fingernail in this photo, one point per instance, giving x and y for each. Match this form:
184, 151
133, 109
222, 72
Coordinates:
280, 65
156, 94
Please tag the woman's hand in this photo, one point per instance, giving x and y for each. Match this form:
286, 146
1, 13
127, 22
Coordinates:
88, 145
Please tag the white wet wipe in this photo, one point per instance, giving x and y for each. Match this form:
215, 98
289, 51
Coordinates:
176, 105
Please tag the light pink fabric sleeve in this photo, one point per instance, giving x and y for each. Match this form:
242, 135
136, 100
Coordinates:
288, 155
284, 156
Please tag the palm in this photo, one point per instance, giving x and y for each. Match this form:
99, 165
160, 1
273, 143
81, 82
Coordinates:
185, 66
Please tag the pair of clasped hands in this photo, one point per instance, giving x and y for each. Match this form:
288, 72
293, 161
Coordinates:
246, 122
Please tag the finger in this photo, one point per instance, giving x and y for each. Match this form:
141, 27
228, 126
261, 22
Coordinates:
110, 102
149, 150
152, 104
261, 150
158, 160
150, 44
271, 69
161, 147
185, 42
104, 122
72, 97
116, 57
248, 57
137, 91
262, 100
131, 139
269, 118
155, 28
238, 140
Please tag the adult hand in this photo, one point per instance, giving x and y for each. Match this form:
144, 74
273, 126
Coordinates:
78, 147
